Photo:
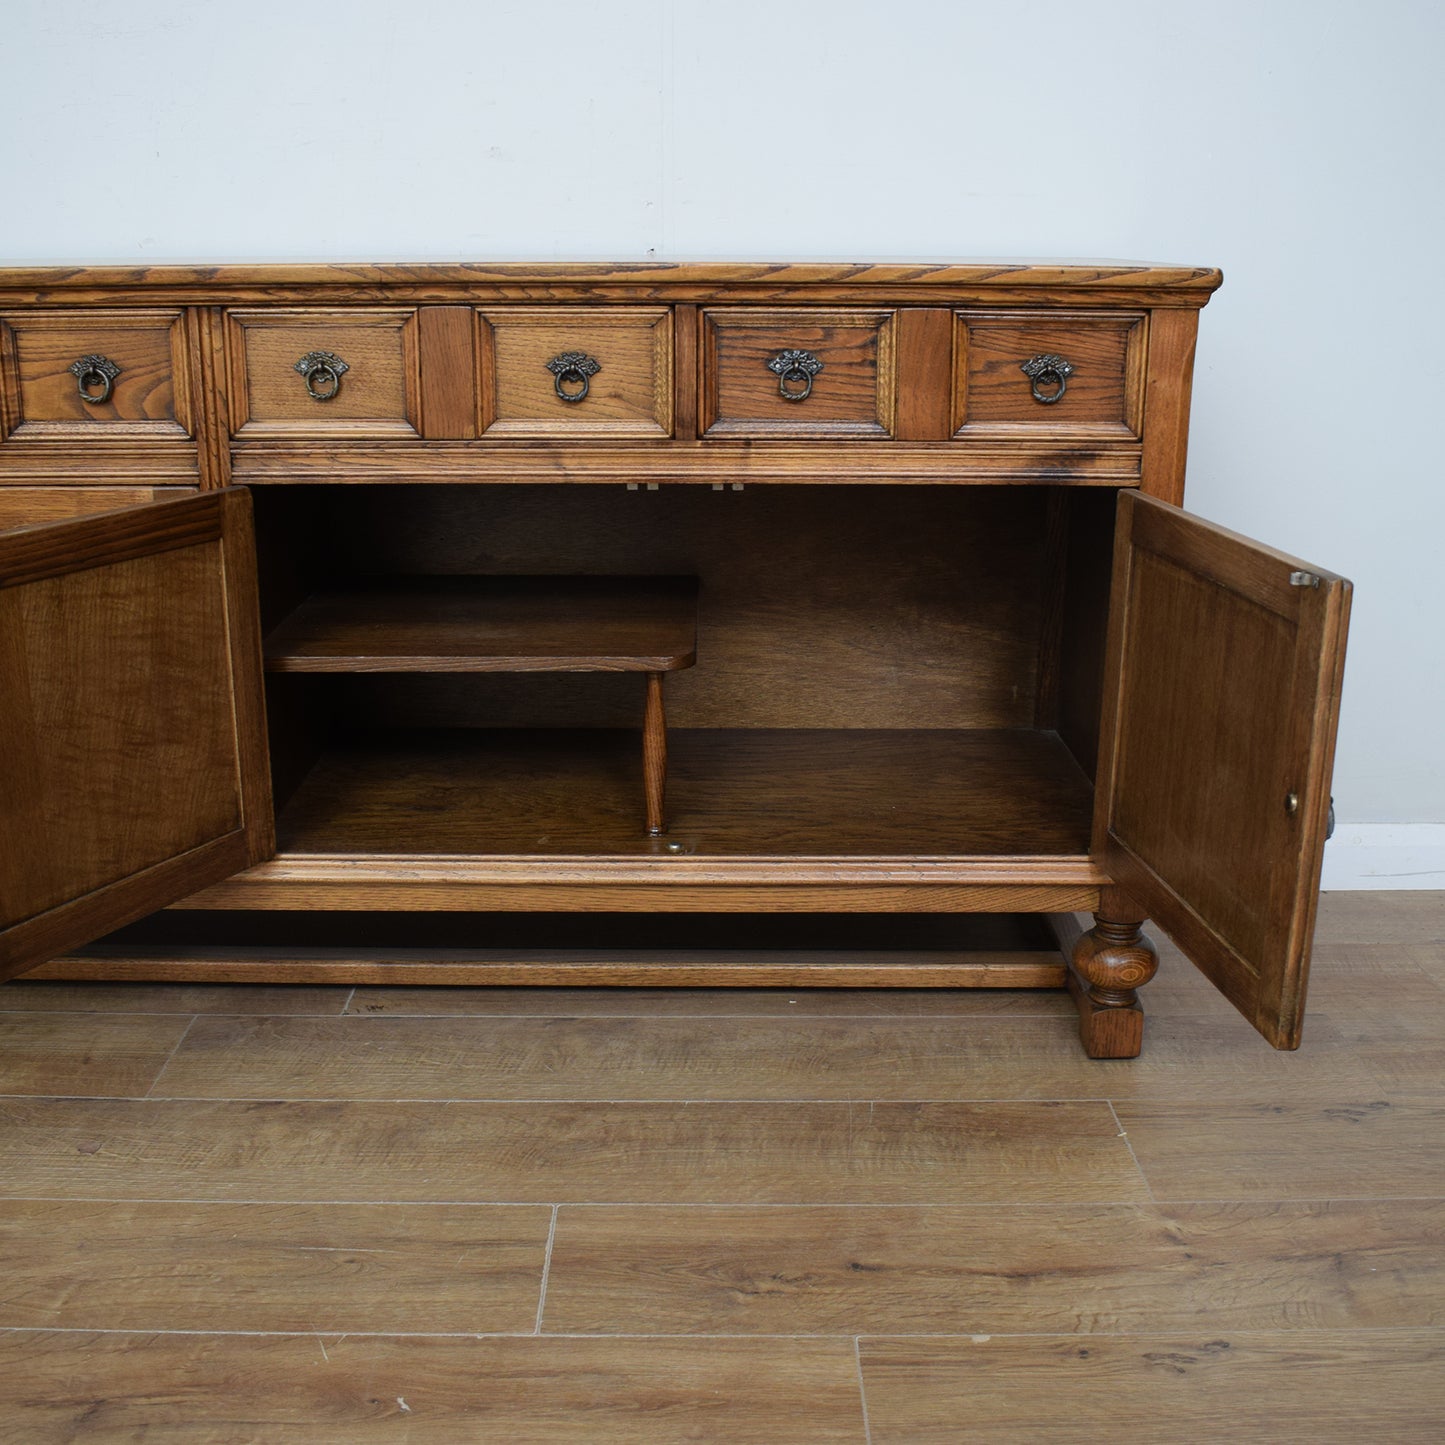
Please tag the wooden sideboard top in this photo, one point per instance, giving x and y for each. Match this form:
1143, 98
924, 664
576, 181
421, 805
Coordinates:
1122, 282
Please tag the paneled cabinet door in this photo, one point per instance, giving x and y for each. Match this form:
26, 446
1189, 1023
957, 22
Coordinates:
132, 733
1221, 701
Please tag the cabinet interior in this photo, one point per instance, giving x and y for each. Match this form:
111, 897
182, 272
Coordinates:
882, 671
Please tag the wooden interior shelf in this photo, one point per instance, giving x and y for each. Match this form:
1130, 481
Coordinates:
537, 793
506, 624
492, 624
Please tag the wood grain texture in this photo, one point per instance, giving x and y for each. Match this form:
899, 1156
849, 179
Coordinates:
674, 1002
316, 1390
600, 968
910, 607
378, 398
925, 357
630, 397
854, 395
935, 282
1205, 744
1170, 376
354, 464
702, 1153
735, 794
408, 1268
151, 396
492, 624
654, 756
446, 344
993, 397
123, 789
1363, 1146
206, 340
84, 1054
34, 506
1194, 1385
1045, 1269
28, 995
619, 1058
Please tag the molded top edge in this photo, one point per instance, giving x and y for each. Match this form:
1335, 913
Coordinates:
1096, 274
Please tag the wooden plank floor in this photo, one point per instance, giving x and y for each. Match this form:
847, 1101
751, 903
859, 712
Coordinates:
284, 1215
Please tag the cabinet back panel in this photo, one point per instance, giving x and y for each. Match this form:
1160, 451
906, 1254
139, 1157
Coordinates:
860, 607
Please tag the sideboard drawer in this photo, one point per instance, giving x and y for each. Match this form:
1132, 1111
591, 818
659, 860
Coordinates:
114, 375
573, 372
328, 374
798, 374
1062, 374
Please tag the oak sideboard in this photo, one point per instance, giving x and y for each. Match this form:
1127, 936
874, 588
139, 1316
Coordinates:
337, 600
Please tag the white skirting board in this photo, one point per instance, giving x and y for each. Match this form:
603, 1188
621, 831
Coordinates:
1385, 855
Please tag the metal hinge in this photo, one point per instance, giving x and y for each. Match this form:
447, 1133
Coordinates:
1304, 579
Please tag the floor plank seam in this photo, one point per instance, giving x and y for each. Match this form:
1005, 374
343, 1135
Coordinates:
973, 1337
1129, 1145
862, 1389
191, 1023
546, 1270
724, 1204
548, 1100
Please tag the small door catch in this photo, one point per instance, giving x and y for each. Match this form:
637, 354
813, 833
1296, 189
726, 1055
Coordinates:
1304, 579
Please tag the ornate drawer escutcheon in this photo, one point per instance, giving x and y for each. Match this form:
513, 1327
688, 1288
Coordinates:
795, 371
95, 378
323, 368
575, 369
1049, 374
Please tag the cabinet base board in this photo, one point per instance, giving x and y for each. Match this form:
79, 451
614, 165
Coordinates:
1031, 968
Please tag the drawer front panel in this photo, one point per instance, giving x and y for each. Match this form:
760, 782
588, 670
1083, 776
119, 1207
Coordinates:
332, 374
573, 372
95, 375
1060, 374
755, 382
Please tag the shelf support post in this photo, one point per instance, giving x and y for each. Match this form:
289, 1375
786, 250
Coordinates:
654, 755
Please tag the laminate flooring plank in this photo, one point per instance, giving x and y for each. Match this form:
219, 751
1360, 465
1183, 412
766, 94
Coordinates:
1415, 917
1326, 1387
316, 1390
404, 1268
24, 995
709, 1002
997, 1270
85, 1054
757, 1058
1365, 1147
527, 1153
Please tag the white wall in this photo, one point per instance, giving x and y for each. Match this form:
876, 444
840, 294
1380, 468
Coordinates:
1297, 145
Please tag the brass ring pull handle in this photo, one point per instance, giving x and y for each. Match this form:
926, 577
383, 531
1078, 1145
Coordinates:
574, 369
94, 378
795, 371
323, 371
1048, 375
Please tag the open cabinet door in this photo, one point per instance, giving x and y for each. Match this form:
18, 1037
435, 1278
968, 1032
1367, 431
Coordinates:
1220, 705
132, 732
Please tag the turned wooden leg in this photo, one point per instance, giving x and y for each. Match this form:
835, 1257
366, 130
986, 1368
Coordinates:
654, 755
1110, 962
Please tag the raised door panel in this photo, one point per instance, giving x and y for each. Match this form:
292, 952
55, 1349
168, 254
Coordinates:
1221, 700
95, 376
800, 374
576, 372
324, 374
133, 767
